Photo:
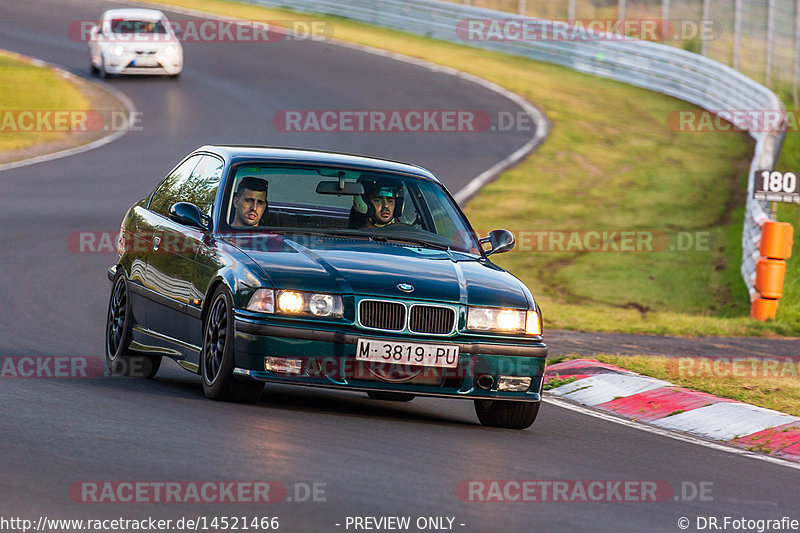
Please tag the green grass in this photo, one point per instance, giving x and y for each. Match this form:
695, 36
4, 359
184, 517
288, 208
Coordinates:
558, 381
743, 380
610, 163
27, 87
789, 305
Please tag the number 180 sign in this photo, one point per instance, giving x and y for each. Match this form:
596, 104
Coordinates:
775, 186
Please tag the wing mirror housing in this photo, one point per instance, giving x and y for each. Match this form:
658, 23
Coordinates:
189, 215
500, 240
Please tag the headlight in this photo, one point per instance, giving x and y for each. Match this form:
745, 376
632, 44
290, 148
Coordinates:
498, 320
322, 304
290, 302
310, 303
533, 323
262, 301
116, 50
170, 50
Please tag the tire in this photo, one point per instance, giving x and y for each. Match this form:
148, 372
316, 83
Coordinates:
103, 72
506, 414
217, 356
390, 396
93, 69
119, 359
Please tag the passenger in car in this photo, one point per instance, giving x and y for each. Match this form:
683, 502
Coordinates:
250, 202
379, 204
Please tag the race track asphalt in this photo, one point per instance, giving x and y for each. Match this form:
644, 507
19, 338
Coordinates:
372, 458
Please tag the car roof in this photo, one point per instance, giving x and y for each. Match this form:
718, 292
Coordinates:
238, 153
133, 14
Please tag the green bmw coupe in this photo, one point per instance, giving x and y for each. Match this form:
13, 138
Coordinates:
249, 265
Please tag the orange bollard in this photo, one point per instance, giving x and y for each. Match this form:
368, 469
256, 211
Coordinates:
763, 309
769, 277
776, 240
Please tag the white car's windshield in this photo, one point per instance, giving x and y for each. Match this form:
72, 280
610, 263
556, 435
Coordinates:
128, 26
380, 206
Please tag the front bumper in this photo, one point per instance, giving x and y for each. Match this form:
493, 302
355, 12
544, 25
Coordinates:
127, 64
328, 360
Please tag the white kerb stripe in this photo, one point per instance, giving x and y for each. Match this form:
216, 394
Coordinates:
724, 421
605, 387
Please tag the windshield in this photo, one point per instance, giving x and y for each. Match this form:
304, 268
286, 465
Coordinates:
127, 26
321, 200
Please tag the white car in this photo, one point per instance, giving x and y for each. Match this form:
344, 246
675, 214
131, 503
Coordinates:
134, 41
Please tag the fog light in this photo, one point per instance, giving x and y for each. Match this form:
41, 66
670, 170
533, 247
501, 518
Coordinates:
322, 304
281, 365
514, 383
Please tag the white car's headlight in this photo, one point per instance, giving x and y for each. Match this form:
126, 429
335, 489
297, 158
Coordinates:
309, 303
116, 50
499, 320
171, 50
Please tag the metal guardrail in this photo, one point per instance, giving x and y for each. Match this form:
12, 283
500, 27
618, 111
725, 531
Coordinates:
759, 38
660, 68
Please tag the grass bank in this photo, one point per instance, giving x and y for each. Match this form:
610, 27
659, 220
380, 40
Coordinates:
789, 305
611, 164
26, 87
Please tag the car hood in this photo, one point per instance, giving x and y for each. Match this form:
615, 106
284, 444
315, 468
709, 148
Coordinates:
368, 268
148, 44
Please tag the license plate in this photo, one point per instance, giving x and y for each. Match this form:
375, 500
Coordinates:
407, 353
144, 62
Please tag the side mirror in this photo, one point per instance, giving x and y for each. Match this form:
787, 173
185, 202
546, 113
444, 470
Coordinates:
189, 215
500, 240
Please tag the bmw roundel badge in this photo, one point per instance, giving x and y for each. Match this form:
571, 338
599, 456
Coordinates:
405, 287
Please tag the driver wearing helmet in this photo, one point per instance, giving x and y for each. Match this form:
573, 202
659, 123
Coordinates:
380, 204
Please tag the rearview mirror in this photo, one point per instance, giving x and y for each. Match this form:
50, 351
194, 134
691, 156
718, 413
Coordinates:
349, 188
189, 215
500, 240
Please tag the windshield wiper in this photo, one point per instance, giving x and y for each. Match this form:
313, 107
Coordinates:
409, 240
321, 233
359, 236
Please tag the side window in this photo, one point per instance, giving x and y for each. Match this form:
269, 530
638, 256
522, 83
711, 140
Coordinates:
201, 187
169, 191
